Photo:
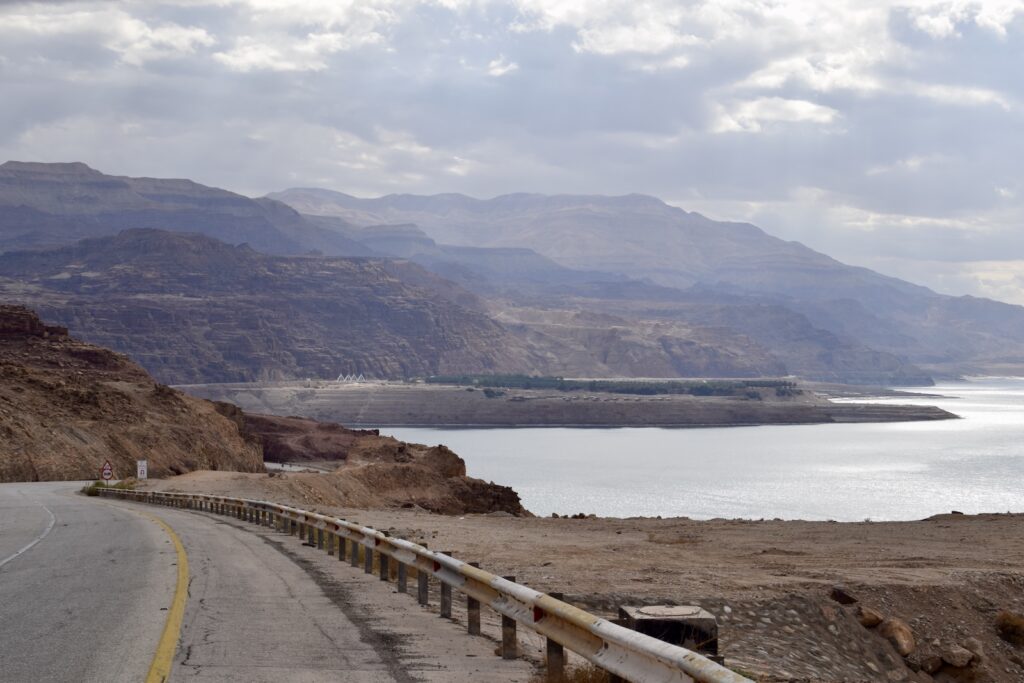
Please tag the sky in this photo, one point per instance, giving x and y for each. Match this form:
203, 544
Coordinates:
886, 134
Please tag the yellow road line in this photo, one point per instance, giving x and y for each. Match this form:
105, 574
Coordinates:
163, 660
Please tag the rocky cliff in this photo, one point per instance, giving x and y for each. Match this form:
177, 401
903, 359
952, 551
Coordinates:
66, 407
192, 309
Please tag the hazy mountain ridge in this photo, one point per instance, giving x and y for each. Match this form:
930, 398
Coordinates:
194, 309
46, 205
645, 239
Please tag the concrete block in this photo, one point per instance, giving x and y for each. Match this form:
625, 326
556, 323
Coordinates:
685, 625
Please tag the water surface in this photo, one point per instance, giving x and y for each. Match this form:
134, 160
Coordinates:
895, 471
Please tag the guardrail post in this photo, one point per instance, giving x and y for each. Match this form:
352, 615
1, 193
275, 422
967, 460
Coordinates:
473, 611
385, 569
509, 645
367, 559
446, 594
403, 578
422, 585
339, 542
331, 538
556, 654
355, 552
319, 539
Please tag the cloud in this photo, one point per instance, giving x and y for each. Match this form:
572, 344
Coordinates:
751, 116
883, 132
501, 66
134, 40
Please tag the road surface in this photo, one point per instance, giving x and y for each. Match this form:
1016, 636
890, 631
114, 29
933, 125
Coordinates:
86, 585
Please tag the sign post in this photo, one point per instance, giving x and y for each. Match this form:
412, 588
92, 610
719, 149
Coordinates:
107, 472
141, 469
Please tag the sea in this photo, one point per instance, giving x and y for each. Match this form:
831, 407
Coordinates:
842, 472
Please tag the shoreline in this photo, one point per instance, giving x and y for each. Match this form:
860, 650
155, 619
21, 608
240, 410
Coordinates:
456, 407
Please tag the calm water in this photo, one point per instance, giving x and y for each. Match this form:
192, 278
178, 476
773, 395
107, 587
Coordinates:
842, 472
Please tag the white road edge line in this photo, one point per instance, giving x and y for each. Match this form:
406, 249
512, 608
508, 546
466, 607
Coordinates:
49, 528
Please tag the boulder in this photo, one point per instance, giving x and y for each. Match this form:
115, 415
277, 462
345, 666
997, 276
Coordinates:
868, 618
957, 656
899, 633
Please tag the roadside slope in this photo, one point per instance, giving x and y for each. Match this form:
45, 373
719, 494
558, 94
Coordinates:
66, 407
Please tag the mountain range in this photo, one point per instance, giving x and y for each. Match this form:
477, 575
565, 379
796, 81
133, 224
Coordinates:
651, 242
203, 285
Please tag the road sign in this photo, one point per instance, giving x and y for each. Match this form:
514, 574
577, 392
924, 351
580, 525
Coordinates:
107, 472
141, 470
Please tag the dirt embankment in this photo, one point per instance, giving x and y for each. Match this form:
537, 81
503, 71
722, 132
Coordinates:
378, 472
771, 583
66, 407
362, 468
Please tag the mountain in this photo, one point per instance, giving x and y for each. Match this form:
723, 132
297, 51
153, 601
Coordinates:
66, 407
192, 309
494, 270
647, 240
45, 205
260, 293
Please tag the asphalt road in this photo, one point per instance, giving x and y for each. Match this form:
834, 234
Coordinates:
85, 585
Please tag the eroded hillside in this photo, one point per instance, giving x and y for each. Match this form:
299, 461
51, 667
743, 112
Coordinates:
66, 407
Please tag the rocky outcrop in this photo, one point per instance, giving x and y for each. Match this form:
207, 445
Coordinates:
382, 470
296, 439
67, 407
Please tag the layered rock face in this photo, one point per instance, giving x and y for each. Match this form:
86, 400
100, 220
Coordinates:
66, 407
192, 309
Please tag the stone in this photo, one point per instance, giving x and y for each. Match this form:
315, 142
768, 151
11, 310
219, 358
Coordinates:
931, 663
842, 596
899, 633
976, 648
868, 618
957, 656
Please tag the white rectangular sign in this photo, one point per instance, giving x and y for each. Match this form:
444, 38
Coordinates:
143, 469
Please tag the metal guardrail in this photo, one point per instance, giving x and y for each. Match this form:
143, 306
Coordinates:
620, 651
